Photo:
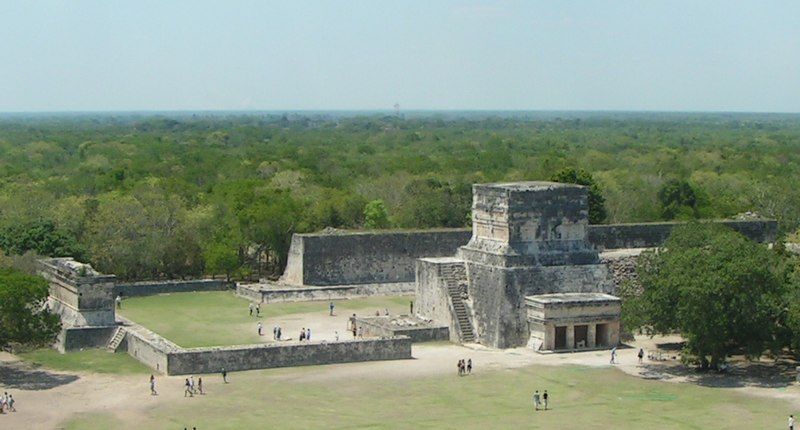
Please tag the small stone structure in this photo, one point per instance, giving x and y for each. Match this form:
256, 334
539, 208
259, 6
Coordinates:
83, 298
416, 328
573, 321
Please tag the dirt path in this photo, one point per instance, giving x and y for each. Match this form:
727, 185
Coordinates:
47, 406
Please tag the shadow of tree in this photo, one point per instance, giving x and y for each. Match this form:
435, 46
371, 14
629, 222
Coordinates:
23, 377
740, 374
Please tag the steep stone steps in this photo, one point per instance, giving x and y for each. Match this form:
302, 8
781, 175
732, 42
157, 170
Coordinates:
116, 340
455, 279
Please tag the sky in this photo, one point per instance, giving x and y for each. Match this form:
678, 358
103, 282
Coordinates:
139, 55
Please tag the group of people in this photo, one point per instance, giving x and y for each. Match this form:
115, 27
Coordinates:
540, 400
305, 334
7, 403
190, 389
464, 367
358, 332
256, 308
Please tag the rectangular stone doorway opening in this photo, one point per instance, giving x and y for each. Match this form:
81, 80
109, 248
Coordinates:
561, 338
581, 336
601, 335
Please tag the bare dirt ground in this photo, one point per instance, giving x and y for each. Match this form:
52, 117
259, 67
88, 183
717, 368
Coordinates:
45, 399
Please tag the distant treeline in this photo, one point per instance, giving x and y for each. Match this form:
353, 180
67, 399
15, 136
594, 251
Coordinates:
184, 195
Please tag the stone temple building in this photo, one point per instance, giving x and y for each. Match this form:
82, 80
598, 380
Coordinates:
528, 275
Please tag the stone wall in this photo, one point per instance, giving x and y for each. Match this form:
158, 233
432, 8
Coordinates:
651, 235
249, 357
277, 293
423, 331
150, 288
347, 258
76, 338
366, 257
164, 356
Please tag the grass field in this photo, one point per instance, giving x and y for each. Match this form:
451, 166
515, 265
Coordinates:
581, 398
90, 360
221, 318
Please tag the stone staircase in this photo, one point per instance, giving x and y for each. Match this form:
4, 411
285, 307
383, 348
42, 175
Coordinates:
116, 340
455, 278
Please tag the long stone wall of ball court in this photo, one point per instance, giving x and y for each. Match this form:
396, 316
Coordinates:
150, 288
348, 258
164, 356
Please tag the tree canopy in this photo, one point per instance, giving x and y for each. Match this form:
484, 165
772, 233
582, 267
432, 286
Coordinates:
597, 203
24, 318
720, 290
150, 196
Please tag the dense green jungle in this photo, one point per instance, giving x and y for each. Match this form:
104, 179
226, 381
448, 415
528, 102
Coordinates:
172, 195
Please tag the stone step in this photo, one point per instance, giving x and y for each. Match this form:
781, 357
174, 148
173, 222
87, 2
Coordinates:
116, 340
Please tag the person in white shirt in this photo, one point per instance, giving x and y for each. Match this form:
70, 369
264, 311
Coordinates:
791, 422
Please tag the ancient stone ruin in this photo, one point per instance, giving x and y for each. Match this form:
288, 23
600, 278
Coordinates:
528, 239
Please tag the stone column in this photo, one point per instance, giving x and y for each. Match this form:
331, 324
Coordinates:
571, 336
590, 335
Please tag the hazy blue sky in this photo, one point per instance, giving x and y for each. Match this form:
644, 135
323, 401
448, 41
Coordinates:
560, 54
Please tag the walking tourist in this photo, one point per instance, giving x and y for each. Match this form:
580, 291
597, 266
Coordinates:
188, 389
258, 310
308, 333
469, 366
153, 386
536, 400
354, 331
224, 375
259, 328
545, 397
460, 367
118, 301
791, 422
200, 385
640, 354
331, 306
191, 384
3, 403
251, 308
614, 355
275, 333
386, 311
411, 307
279, 332
360, 332
302, 334
10, 403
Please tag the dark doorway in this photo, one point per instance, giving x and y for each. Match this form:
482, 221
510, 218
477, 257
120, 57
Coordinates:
581, 336
600, 335
561, 338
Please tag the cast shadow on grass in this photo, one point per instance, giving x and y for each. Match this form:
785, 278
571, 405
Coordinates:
22, 377
741, 374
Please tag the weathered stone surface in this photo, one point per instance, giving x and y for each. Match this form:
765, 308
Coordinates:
418, 329
82, 296
269, 292
150, 288
374, 257
249, 357
365, 257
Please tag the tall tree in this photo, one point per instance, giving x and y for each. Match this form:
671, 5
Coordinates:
597, 203
23, 316
720, 290
677, 197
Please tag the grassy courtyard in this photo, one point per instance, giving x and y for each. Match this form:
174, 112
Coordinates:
581, 398
89, 360
221, 318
